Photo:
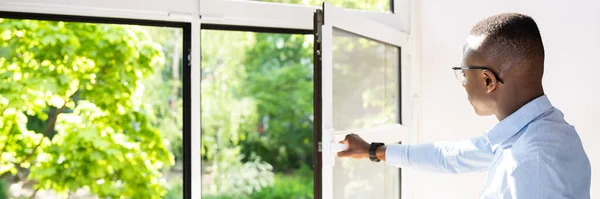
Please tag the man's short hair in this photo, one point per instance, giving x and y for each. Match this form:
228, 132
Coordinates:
511, 38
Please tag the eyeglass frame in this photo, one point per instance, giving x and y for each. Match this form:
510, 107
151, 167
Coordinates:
479, 68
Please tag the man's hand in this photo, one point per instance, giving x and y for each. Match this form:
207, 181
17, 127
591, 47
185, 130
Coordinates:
357, 147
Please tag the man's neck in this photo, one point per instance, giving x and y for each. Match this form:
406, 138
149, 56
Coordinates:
514, 103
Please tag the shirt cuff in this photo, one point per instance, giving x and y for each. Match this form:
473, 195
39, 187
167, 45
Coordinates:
397, 155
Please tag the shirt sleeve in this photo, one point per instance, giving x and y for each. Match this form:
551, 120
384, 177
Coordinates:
446, 157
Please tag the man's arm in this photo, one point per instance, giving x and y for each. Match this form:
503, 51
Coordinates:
448, 157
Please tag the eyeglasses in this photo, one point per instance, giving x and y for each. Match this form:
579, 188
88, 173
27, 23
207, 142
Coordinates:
460, 75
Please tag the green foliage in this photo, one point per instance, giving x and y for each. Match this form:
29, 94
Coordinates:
226, 115
279, 79
163, 89
108, 155
297, 185
237, 179
3, 189
17, 141
256, 106
175, 191
91, 75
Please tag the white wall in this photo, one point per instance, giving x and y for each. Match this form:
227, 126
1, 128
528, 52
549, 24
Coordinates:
570, 30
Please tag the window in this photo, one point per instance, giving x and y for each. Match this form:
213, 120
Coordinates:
189, 16
358, 72
365, 95
257, 128
92, 109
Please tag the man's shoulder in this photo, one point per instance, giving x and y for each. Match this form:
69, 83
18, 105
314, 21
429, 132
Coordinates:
550, 126
548, 137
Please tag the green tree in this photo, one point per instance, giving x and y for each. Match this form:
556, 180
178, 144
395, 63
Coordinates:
163, 89
227, 116
84, 82
164, 103
280, 79
256, 106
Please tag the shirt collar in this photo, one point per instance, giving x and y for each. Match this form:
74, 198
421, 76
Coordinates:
512, 124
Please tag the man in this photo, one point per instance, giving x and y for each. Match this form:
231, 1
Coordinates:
532, 152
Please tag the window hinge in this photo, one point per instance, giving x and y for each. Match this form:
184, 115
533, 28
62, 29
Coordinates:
319, 34
320, 147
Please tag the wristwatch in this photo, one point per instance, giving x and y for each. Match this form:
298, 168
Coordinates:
373, 151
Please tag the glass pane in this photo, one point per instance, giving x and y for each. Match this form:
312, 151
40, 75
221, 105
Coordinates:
90, 110
358, 179
372, 5
365, 82
257, 93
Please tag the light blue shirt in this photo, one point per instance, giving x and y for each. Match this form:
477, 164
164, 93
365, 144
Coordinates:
533, 153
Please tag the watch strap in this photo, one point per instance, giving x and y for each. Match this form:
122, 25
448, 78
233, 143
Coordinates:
373, 151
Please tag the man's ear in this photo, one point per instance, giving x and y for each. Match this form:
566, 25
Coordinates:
490, 80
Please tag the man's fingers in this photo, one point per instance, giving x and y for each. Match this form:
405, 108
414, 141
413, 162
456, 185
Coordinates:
348, 152
344, 154
345, 142
346, 137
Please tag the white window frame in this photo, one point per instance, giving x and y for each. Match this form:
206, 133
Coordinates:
288, 16
237, 13
349, 21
